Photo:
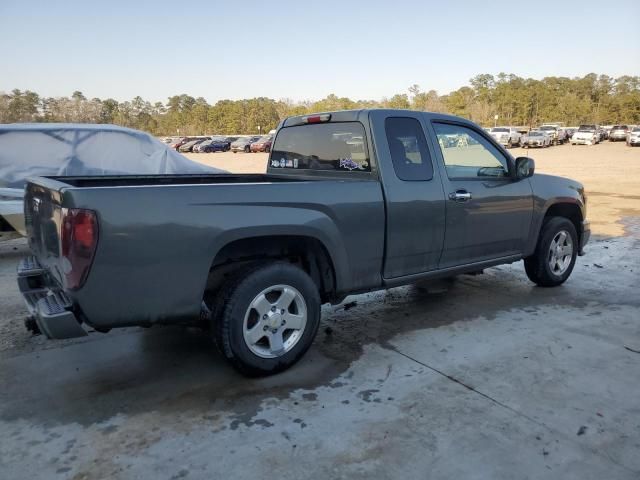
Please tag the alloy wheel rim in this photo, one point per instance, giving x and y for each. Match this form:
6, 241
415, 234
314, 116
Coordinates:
275, 321
560, 253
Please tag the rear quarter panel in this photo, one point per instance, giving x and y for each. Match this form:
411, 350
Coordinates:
156, 244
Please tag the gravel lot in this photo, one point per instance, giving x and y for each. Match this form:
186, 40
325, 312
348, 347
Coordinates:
477, 377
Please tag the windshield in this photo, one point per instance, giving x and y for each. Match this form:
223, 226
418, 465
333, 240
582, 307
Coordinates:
536, 134
499, 130
266, 138
587, 128
620, 127
548, 127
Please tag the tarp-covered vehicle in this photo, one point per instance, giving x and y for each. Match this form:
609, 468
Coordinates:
39, 149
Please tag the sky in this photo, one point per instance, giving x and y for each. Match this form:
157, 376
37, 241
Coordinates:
305, 50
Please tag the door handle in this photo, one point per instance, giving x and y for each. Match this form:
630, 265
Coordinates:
460, 196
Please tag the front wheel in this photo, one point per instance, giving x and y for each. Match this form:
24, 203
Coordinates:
555, 254
266, 318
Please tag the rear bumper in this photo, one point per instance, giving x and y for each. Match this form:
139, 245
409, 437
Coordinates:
585, 235
49, 306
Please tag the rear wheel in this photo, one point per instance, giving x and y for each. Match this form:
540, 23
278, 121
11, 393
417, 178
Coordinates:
266, 318
555, 255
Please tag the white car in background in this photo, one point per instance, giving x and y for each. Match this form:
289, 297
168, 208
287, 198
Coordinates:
586, 135
633, 137
535, 138
506, 136
557, 134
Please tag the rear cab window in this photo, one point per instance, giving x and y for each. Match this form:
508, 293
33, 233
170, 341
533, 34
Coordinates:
408, 148
337, 146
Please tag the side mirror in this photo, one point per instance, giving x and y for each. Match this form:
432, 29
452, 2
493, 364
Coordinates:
525, 167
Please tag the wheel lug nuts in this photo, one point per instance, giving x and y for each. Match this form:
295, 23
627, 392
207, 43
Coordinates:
273, 309
265, 328
282, 311
264, 317
284, 322
275, 330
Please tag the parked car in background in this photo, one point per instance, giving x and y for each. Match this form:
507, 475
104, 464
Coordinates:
570, 131
556, 133
535, 138
586, 135
507, 136
211, 146
618, 132
188, 146
633, 137
263, 144
177, 142
198, 148
604, 134
243, 144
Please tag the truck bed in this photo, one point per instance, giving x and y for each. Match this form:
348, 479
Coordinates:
166, 230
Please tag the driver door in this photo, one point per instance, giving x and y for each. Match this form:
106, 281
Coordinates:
488, 210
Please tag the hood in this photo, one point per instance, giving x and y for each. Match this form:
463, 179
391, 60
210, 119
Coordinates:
552, 186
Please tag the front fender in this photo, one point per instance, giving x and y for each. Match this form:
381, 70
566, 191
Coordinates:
549, 190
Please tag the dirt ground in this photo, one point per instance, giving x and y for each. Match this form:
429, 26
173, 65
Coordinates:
483, 377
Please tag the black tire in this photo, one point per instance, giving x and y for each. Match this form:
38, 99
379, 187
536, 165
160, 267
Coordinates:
247, 149
233, 302
267, 149
537, 265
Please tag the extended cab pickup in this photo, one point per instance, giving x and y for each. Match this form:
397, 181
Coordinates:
352, 201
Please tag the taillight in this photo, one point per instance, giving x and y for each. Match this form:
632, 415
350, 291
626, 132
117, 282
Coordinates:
78, 239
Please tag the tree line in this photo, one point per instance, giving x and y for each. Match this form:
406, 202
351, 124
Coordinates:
516, 100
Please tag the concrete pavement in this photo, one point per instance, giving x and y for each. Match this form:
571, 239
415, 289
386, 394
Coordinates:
480, 377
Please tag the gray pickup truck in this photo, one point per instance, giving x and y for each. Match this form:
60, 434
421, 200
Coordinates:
352, 201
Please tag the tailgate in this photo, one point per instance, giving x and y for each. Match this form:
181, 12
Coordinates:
43, 219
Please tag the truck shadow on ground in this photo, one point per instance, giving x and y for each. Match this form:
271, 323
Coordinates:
177, 370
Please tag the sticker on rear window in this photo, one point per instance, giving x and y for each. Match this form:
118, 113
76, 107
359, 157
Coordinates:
282, 163
349, 164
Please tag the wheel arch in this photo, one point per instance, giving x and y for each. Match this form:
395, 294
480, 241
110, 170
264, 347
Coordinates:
305, 250
568, 208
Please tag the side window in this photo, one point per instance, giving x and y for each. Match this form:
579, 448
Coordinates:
468, 154
408, 147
